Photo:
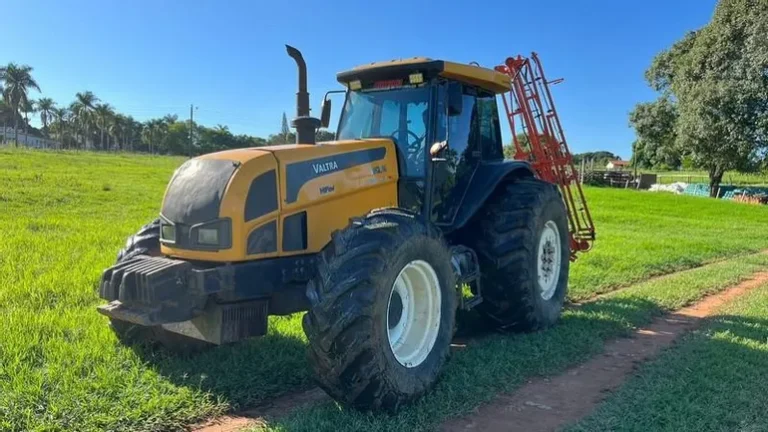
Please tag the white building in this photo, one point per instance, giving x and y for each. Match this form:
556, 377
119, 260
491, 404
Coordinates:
617, 165
8, 135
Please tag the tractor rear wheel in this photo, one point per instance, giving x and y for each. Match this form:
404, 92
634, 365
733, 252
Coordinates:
382, 313
521, 238
147, 242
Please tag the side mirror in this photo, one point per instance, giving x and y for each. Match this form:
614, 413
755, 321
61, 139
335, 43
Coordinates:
325, 113
455, 99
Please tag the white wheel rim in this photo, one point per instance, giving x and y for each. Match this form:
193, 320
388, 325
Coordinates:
549, 254
413, 313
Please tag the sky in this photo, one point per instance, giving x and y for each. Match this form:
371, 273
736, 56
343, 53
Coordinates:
148, 58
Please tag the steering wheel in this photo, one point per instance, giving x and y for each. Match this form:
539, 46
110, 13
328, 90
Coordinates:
414, 148
414, 152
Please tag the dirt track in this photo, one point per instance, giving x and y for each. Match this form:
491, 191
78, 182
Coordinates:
544, 404
547, 404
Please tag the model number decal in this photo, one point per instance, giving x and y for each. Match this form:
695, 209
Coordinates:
327, 189
378, 169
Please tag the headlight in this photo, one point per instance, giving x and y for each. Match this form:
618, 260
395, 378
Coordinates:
168, 232
208, 236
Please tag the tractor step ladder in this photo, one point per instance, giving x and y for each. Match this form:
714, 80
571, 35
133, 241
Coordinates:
531, 113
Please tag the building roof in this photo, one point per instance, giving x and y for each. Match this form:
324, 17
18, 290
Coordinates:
619, 163
485, 78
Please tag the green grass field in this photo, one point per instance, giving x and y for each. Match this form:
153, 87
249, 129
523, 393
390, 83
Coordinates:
730, 178
714, 380
63, 216
643, 234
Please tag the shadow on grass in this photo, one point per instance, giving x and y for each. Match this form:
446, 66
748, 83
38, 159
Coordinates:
241, 374
471, 325
247, 374
491, 363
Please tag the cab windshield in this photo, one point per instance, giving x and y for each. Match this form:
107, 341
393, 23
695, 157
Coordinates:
400, 114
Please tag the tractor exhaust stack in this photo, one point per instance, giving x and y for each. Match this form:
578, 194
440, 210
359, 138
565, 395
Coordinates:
305, 125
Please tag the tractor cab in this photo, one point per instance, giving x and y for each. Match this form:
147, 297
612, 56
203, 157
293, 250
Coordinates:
443, 118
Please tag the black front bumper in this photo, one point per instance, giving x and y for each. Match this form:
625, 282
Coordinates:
224, 303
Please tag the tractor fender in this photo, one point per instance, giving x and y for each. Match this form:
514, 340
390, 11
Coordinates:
487, 176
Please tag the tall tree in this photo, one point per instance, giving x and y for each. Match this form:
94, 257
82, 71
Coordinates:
509, 150
599, 158
17, 81
5, 114
28, 108
83, 108
77, 120
154, 134
116, 130
45, 107
285, 130
654, 124
104, 114
62, 116
133, 130
324, 135
717, 76
5, 110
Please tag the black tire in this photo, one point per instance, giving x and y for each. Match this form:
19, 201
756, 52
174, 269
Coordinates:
346, 326
505, 235
144, 242
147, 242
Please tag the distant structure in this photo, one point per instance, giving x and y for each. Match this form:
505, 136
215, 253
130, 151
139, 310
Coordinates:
8, 135
617, 165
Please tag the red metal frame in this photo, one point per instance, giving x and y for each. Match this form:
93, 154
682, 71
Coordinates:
531, 111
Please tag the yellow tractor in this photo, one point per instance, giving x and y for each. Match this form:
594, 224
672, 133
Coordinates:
373, 235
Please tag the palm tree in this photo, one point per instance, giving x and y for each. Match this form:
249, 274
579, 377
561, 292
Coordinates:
77, 117
85, 104
45, 107
18, 81
104, 114
61, 115
133, 130
29, 108
154, 133
147, 133
117, 128
4, 112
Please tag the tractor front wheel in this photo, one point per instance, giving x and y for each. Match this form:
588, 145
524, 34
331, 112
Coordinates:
383, 311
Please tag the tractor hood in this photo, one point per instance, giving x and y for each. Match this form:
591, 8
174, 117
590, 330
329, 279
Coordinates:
209, 200
215, 202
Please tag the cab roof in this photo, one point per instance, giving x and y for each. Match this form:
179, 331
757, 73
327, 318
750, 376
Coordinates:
487, 79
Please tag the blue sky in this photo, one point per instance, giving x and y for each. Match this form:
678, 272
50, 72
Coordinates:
148, 58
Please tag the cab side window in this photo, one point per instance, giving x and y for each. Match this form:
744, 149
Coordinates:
459, 160
462, 129
490, 133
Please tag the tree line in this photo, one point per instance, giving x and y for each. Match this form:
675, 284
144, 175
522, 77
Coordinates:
598, 159
89, 123
712, 109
